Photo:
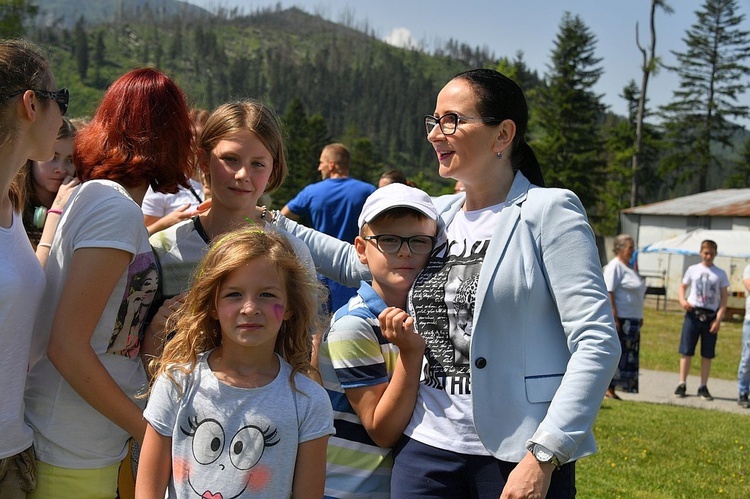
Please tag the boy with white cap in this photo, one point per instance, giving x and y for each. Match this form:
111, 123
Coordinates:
371, 358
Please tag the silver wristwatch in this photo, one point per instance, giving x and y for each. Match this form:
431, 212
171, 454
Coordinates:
544, 455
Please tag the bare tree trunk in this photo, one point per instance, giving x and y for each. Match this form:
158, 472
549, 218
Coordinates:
647, 67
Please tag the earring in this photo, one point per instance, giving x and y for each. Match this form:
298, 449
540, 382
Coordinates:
500, 155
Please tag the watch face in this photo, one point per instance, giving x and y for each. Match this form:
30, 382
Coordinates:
542, 455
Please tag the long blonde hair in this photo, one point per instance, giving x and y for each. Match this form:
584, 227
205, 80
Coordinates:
197, 331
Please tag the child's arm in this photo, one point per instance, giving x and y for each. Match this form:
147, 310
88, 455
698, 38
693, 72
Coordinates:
721, 311
53, 218
386, 409
154, 466
93, 275
681, 294
309, 469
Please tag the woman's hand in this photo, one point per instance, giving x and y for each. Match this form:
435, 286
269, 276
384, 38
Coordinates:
529, 479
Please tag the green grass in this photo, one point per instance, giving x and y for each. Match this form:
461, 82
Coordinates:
662, 451
660, 337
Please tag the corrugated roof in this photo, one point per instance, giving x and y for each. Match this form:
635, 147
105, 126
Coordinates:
718, 203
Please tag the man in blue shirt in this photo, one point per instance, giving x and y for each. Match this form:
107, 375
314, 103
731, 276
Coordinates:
333, 206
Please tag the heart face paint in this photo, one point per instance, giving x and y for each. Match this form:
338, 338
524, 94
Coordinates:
278, 310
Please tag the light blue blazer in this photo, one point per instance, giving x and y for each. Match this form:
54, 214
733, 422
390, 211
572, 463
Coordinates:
544, 346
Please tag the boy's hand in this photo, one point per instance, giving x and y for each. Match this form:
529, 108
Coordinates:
715, 325
398, 327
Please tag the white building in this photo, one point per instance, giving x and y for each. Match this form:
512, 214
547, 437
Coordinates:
723, 209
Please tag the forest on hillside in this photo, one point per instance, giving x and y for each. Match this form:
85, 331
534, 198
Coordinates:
329, 81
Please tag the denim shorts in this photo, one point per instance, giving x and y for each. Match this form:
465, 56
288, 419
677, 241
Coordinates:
693, 328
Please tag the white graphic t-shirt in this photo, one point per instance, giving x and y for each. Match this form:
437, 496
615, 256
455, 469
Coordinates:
236, 442
68, 432
705, 285
442, 303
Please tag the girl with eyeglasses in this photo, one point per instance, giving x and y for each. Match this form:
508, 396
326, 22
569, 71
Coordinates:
85, 368
521, 343
28, 127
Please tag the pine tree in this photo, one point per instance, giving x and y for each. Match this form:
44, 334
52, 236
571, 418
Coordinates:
99, 58
569, 146
81, 48
13, 15
304, 137
713, 76
100, 49
741, 176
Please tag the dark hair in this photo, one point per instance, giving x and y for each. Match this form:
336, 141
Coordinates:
396, 177
501, 98
711, 244
141, 132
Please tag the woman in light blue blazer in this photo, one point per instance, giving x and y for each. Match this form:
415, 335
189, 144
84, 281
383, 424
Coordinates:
521, 343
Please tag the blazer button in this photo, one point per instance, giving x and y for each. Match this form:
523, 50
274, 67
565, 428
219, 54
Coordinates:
481, 363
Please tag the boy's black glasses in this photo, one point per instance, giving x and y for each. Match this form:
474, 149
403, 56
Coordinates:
62, 97
391, 243
449, 122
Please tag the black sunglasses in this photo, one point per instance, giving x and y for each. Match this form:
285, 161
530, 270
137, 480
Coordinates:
62, 97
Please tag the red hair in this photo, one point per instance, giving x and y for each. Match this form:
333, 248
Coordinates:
141, 132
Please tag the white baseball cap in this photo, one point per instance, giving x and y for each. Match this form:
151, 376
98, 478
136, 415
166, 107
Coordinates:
396, 196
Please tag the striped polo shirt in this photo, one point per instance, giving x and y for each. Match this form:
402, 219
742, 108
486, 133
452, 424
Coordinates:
354, 354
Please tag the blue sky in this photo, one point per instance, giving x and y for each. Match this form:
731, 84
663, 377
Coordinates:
505, 27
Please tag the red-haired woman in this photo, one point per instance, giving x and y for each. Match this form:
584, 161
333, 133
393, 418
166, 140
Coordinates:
84, 372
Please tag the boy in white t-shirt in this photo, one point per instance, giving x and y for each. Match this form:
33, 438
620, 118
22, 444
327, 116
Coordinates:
704, 310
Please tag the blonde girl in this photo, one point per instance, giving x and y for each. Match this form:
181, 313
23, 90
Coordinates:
231, 413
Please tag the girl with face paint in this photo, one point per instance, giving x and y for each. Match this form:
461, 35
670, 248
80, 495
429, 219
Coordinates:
232, 408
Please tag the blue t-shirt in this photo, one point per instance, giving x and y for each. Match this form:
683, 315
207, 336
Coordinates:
333, 205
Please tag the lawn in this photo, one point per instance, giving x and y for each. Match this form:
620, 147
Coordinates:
660, 337
662, 451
